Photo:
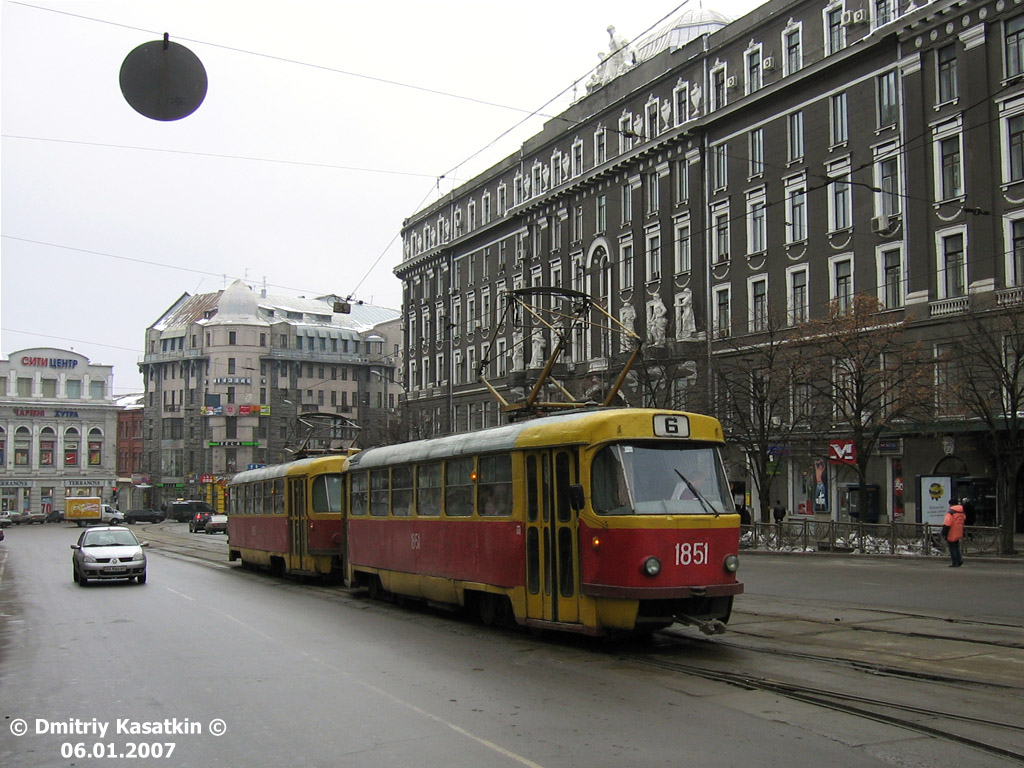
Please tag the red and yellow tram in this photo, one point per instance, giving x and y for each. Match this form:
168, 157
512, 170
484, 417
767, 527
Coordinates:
597, 521
289, 517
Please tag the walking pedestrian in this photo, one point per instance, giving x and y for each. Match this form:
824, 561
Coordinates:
953, 532
779, 512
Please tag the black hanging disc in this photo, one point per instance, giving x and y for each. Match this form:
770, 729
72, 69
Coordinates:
163, 80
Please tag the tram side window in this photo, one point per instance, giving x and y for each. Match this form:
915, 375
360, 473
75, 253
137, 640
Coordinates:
458, 487
401, 491
428, 489
494, 485
379, 491
359, 493
278, 493
327, 493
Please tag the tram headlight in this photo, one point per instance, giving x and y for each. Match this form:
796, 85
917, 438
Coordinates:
731, 563
651, 566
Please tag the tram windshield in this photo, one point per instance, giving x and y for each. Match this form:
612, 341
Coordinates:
659, 479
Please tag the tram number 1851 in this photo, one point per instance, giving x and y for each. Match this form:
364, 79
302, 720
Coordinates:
691, 553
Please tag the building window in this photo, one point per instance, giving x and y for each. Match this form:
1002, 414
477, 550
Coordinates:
232, 336
888, 180
682, 180
600, 146
842, 282
682, 247
840, 203
720, 166
754, 71
627, 203
651, 119
625, 132
1014, 148
602, 213
757, 225
797, 304
756, 152
891, 268
796, 213
717, 88
723, 312
838, 119
577, 157
884, 12
835, 32
653, 193
888, 105
758, 298
793, 46
577, 223
47, 446
952, 265
681, 103
71, 447
945, 64
1015, 46
1016, 253
653, 255
795, 124
720, 224
949, 168
625, 266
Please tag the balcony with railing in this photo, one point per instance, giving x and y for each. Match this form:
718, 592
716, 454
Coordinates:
946, 307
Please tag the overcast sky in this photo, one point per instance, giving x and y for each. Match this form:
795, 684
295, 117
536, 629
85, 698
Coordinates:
326, 123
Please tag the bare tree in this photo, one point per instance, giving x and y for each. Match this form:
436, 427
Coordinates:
754, 389
870, 377
985, 368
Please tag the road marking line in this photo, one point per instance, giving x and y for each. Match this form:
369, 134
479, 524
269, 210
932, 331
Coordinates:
180, 594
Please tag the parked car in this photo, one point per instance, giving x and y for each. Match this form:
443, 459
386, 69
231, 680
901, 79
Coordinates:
108, 552
133, 516
184, 511
17, 517
55, 516
198, 521
35, 516
216, 524
5, 519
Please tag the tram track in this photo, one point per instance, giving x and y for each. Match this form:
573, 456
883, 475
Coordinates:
948, 726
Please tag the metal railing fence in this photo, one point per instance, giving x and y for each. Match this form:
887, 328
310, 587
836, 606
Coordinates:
896, 538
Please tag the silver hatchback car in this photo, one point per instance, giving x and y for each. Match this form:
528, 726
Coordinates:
108, 552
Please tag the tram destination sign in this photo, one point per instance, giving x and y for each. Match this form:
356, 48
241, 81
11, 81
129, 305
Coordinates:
671, 425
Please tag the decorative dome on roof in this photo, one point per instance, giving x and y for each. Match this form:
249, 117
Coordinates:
690, 24
237, 304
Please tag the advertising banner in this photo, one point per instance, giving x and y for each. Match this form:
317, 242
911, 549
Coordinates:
934, 493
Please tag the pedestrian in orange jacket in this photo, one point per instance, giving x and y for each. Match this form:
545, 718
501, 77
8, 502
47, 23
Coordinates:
953, 532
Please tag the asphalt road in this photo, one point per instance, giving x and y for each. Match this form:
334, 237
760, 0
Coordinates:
301, 675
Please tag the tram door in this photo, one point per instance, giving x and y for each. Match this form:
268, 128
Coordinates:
552, 551
298, 539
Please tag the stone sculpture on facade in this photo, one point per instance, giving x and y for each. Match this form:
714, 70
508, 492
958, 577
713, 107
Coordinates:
657, 321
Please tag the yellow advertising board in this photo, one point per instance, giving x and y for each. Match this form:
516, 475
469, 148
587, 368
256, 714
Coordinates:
82, 508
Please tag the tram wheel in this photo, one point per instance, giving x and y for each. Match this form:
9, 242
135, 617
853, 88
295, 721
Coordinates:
494, 610
375, 588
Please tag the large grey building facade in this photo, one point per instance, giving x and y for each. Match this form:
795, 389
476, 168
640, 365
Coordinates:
719, 177
227, 375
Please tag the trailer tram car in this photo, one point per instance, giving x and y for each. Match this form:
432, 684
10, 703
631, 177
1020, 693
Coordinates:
288, 517
604, 521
